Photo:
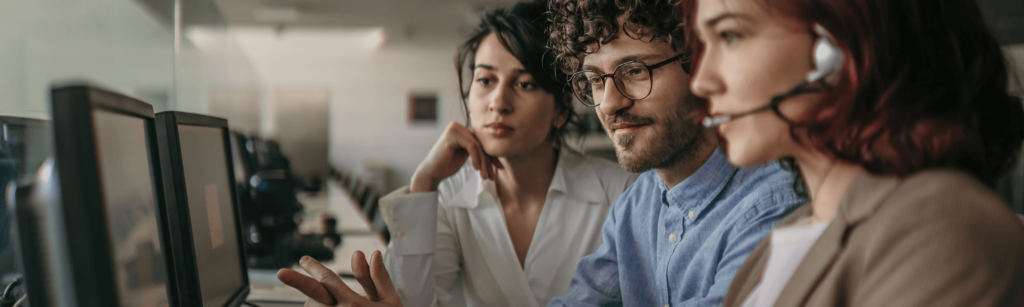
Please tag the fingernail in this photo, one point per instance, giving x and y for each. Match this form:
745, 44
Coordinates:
303, 260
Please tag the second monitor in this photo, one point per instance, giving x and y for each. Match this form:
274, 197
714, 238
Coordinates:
195, 159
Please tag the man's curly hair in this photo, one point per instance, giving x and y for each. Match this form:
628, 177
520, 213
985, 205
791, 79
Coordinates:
580, 27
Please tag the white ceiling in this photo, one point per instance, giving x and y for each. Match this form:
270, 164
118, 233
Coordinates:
420, 22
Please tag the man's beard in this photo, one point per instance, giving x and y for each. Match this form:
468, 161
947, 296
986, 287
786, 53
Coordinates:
679, 142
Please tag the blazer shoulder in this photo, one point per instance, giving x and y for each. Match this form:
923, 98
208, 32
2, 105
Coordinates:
947, 204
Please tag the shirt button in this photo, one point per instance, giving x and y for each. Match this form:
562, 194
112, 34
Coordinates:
691, 214
673, 238
399, 235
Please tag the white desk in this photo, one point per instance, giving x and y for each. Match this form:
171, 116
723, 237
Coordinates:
357, 234
339, 203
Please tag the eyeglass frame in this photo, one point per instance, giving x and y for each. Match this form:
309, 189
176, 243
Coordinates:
650, 71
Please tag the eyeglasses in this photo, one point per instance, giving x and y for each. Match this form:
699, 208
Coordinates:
633, 79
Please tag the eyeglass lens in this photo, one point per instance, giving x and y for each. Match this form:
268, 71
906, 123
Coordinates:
632, 80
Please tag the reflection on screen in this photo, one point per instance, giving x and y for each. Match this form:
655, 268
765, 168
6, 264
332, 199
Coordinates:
126, 176
212, 213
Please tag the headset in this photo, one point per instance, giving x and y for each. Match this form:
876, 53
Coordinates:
828, 59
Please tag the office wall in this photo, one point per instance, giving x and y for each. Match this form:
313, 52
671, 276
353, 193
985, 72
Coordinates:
369, 108
115, 43
301, 122
124, 45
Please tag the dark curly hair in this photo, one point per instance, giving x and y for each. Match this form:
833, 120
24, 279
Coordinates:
520, 29
579, 27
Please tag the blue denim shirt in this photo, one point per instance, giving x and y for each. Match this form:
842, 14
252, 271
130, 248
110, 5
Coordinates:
681, 246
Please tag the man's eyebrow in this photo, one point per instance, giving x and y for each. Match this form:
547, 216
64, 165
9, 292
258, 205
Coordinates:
484, 66
632, 57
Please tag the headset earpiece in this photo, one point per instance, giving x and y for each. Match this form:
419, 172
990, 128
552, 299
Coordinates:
828, 59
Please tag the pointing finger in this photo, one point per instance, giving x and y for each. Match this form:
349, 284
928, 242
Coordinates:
308, 286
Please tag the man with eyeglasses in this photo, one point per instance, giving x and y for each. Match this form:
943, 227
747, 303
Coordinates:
678, 235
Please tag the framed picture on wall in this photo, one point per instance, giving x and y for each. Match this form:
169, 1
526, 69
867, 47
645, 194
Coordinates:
423, 108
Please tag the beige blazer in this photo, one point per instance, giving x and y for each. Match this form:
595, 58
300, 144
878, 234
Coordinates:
936, 238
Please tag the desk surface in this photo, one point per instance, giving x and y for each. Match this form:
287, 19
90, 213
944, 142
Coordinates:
357, 235
338, 202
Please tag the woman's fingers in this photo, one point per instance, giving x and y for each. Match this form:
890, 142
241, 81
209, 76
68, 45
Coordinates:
361, 270
330, 280
312, 303
308, 286
382, 279
480, 158
471, 146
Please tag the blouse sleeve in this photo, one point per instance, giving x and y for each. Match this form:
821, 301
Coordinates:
423, 256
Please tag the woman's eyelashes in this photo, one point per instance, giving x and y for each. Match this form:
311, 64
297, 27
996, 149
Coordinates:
483, 81
527, 85
729, 37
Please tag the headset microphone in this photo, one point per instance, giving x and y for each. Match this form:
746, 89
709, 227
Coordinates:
827, 61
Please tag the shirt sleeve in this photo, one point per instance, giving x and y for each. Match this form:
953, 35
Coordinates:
423, 258
596, 281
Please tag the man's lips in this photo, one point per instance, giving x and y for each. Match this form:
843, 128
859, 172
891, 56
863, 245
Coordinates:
627, 127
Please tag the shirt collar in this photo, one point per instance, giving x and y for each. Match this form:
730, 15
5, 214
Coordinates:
573, 178
576, 179
697, 191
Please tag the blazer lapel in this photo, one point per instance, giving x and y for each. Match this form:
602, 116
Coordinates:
815, 264
754, 273
751, 273
864, 195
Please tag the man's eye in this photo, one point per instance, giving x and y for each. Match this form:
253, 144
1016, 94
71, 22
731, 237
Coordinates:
633, 71
527, 85
483, 81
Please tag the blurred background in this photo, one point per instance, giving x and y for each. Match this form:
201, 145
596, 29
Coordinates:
357, 90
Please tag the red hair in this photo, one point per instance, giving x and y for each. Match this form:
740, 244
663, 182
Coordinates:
924, 85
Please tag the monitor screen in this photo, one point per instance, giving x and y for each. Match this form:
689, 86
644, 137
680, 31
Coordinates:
212, 213
126, 178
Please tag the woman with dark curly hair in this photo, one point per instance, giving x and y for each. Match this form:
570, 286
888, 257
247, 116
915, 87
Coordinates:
501, 204
896, 116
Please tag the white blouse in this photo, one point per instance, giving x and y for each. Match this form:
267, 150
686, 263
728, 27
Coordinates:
465, 236
789, 247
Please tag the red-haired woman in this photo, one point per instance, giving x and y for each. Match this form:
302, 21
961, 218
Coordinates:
896, 118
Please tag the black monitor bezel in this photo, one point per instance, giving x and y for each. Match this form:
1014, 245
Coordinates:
183, 252
81, 193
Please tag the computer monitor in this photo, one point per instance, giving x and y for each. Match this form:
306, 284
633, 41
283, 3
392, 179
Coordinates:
195, 156
24, 144
109, 241
28, 141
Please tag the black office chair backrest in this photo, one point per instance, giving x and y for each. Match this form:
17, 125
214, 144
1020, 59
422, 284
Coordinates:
353, 184
360, 193
369, 203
